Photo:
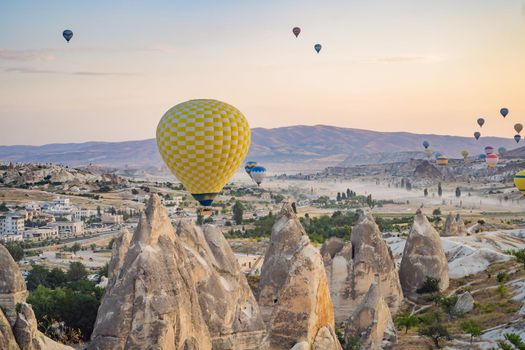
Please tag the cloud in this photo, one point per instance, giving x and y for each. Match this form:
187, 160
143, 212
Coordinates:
27, 70
26, 55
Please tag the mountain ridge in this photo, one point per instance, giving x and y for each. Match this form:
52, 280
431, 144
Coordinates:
297, 146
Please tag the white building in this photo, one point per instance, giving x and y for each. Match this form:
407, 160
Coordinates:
11, 224
70, 228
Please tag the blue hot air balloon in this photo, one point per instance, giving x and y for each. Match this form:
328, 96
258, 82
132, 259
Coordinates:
67, 34
517, 138
482, 156
258, 173
477, 135
504, 112
438, 154
426, 144
317, 47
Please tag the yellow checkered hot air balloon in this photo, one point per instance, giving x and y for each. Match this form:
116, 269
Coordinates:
203, 142
519, 181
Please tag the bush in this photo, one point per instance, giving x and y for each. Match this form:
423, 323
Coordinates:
77, 271
502, 277
16, 250
430, 285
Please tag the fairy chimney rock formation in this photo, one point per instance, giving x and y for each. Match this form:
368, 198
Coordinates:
371, 323
423, 257
294, 296
18, 325
176, 289
454, 226
352, 267
153, 302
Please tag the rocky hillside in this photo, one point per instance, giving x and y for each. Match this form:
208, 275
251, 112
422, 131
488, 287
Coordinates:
293, 147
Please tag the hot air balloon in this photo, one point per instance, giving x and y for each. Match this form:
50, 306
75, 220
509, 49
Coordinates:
482, 156
504, 112
492, 160
248, 166
67, 34
258, 173
519, 181
477, 134
518, 127
442, 160
203, 142
464, 153
502, 151
517, 138
296, 31
429, 152
489, 150
481, 121
438, 154
317, 47
426, 144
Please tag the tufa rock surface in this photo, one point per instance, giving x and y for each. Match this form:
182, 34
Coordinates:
18, 329
152, 302
227, 302
176, 289
464, 304
371, 323
351, 268
423, 256
454, 226
294, 296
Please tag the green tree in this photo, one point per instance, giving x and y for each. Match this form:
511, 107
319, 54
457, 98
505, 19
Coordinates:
458, 192
502, 277
36, 277
338, 197
56, 278
472, 328
3, 207
294, 207
447, 304
16, 250
440, 190
75, 248
77, 271
502, 290
406, 321
512, 342
425, 192
520, 255
436, 212
238, 211
436, 332
99, 211
348, 193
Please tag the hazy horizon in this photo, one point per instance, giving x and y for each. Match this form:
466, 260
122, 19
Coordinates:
422, 67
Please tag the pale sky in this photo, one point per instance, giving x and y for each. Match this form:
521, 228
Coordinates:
424, 66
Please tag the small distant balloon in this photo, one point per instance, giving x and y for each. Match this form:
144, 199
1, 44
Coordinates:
489, 150
67, 34
504, 112
426, 144
518, 127
492, 160
464, 153
482, 156
502, 151
317, 47
477, 134
296, 31
481, 121
517, 138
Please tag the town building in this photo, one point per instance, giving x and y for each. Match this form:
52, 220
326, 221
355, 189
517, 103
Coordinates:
12, 224
41, 233
112, 219
70, 228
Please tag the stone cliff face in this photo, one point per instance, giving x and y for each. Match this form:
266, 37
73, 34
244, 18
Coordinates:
352, 267
176, 289
294, 296
371, 323
423, 256
18, 328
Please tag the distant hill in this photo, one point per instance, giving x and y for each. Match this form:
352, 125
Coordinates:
288, 148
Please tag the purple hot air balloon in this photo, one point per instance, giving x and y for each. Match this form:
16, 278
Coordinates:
517, 138
481, 121
296, 31
477, 134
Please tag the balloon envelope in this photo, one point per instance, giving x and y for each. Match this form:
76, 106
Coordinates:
464, 153
504, 112
492, 160
518, 127
481, 121
67, 34
442, 160
489, 150
517, 138
317, 47
502, 151
249, 166
258, 173
203, 142
426, 144
519, 181
482, 156
477, 134
296, 31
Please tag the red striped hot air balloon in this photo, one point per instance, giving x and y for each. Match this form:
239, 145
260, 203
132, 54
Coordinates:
492, 160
